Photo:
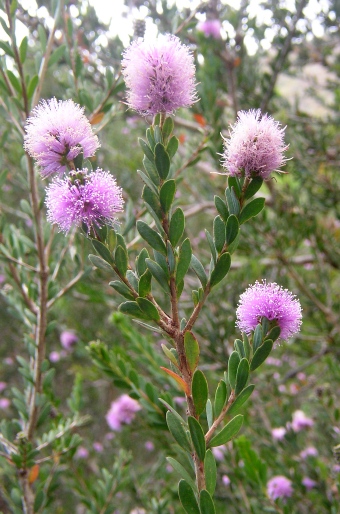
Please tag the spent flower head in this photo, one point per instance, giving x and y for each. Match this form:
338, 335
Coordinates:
122, 411
90, 198
159, 75
56, 133
273, 302
255, 147
279, 487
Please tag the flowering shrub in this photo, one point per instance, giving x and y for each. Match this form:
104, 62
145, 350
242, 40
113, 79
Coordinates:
167, 392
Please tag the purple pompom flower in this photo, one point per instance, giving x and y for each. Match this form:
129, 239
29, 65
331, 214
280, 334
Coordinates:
56, 132
122, 411
278, 305
279, 487
255, 147
92, 199
160, 75
68, 339
300, 421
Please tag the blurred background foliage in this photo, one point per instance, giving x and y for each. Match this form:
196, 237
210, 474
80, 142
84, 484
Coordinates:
283, 57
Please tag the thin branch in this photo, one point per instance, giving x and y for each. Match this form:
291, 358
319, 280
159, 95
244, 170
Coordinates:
220, 418
65, 289
30, 304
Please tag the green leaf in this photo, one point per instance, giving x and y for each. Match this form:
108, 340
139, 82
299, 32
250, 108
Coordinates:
172, 146
253, 187
242, 376
144, 285
239, 348
210, 414
206, 503
232, 201
233, 363
121, 260
167, 195
103, 251
182, 471
39, 500
141, 266
221, 269
159, 274
192, 350
232, 228
177, 225
122, 289
257, 337
162, 161
99, 262
158, 134
234, 182
178, 432
151, 237
212, 246
170, 355
23, 49
184, 260
7, 49
220, 398
148, 308
252, 209
221, 207
261, 354
151, 198
151, 171
274, 334
32, 86
210, 472
78, 66
168, 127
199, 389
130, 275
14, 81
241, 399
228, 432
246, 346
197, 437
147, 150
219, 233
150, 138
197, 267
187, 498
132, 309
57, 55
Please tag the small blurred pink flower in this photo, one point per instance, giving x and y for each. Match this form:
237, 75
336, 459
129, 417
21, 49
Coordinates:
225, 480
282, 388
98, 447
68, 339
218, 452
310, 451
279, 433
122, 411
300, 421
3, 386
279, 487
309, 483
149, 446
301, 376
54, 356
4, 403
82, 453
210, 28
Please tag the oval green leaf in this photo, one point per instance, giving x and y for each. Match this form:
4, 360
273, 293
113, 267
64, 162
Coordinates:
228, 432
199, 389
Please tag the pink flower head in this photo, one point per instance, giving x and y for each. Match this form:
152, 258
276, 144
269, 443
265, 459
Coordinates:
255, 146
54, 356
56, 132
159, 75
68, 339
279, 487
273, 302
309, 483
210, 28
122, 411
82, 453
279, 433
301, 421
4, 403
310, 451
225, 480
92, 199
218, 452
